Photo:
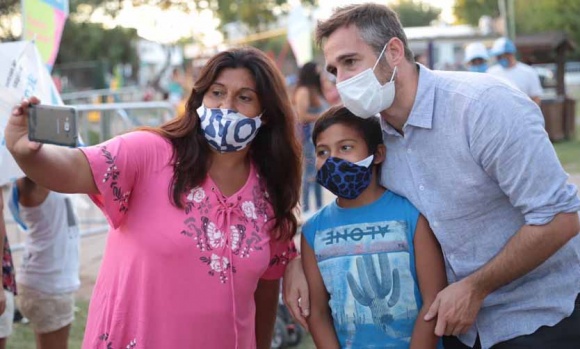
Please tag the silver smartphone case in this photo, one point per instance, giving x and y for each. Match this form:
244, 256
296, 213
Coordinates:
53, 125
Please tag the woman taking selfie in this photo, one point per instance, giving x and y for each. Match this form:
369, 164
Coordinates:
201, 211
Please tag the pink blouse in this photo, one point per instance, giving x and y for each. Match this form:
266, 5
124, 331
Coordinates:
176, 278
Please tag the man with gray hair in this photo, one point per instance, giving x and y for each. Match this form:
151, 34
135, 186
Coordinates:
474, 158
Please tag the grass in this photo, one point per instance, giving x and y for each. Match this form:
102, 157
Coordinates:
23, 338
569, 151
569, 155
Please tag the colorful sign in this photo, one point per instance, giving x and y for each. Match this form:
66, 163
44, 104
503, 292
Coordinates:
23, 74
43, 21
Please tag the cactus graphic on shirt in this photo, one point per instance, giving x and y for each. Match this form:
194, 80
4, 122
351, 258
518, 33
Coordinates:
374, 289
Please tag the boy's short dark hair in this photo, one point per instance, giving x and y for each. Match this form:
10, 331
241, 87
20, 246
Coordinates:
369, 129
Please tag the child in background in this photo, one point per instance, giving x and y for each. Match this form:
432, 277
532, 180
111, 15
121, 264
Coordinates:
372, 263
49, 274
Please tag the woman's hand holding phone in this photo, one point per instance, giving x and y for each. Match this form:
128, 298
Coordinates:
16, 132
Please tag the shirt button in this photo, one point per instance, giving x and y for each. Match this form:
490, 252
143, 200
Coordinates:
409, 151
421, 187
435, 224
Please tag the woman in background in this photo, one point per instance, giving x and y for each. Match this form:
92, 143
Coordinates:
310, 103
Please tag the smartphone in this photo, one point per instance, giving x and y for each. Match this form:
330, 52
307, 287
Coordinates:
53, 125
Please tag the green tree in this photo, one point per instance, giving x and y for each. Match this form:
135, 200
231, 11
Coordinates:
256, 14
8, 9
91, 42
470, 11
549, 15
88, 51
530, 16
415, 13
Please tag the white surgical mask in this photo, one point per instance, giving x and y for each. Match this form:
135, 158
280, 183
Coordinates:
363, 94
227, 130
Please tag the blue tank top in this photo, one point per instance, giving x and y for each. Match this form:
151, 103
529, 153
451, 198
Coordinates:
367, 260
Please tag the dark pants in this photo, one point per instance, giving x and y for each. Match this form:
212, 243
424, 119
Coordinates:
563, 335
309, 184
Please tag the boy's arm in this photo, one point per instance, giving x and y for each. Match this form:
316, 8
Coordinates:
432, 279
320, 320
30, 193
266, 298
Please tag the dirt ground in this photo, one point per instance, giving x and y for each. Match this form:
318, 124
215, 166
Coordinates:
92, 246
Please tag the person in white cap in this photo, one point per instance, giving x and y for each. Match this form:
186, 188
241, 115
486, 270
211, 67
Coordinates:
476, 57
524, 77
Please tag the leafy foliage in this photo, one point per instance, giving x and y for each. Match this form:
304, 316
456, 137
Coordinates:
530, 16
469, 11
255, 14
8, 8
90, 42
414, 13
549, 15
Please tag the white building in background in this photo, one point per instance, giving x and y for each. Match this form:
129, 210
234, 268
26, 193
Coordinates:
447, 43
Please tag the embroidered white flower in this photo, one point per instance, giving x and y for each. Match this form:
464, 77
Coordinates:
249, 209
132, 344
196, 194
215, 237
218, 263
199, 195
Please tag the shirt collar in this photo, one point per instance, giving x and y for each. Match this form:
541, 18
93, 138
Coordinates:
423, 107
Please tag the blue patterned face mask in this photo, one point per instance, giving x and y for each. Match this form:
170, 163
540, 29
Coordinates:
345, 179
227, 130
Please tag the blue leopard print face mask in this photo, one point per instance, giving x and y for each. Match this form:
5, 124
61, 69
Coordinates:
345, 179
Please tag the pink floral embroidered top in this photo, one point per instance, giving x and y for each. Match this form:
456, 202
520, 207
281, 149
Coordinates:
176, 278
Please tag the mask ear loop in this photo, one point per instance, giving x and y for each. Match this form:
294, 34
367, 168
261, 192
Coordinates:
380, 55
393, 76
378, 60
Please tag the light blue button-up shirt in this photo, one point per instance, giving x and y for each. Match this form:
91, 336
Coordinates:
476, 160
